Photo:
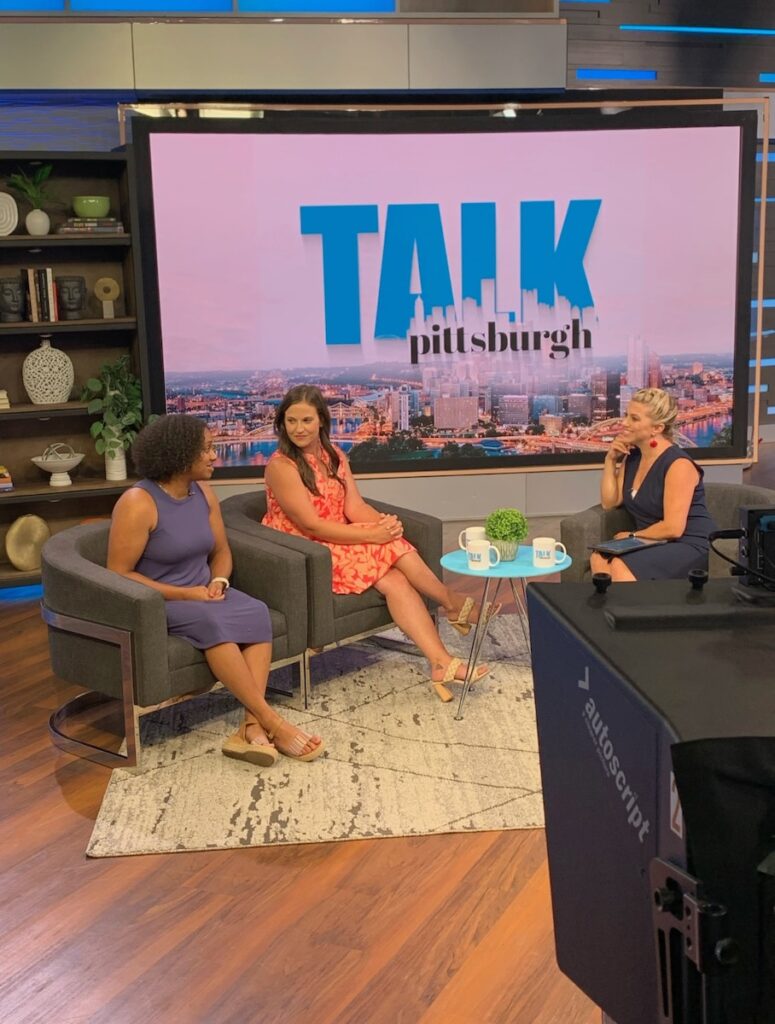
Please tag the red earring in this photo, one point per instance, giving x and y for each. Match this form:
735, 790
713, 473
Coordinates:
653, 442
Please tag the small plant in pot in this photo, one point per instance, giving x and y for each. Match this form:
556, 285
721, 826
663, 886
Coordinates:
117, 395
505, 528
33, 186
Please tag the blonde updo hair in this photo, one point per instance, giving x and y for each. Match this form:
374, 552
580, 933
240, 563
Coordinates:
662, 408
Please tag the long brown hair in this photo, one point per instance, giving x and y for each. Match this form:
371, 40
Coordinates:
309, 395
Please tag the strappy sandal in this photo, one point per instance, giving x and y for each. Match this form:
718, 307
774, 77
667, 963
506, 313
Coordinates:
239, 747
450, 676
297, 744
462, 624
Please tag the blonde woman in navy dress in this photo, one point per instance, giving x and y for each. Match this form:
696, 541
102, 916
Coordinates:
662, 489
167, 532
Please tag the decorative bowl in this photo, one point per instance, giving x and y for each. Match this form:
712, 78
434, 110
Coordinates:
58, 459
91, 206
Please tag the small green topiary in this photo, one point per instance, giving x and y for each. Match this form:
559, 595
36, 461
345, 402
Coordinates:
507, 524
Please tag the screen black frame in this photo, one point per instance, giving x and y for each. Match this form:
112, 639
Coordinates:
546, 119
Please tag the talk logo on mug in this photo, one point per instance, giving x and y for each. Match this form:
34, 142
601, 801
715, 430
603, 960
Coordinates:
480, 555
548, 552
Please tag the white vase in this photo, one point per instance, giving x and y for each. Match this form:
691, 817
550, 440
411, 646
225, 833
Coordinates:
115, 466
48, 375
37, 223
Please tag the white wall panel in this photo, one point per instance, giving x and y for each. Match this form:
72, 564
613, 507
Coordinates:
66, 56
521, 56
454, 498
266, 56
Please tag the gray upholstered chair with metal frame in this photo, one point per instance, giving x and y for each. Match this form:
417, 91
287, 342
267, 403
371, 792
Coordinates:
580, 531
334, 619
109, 633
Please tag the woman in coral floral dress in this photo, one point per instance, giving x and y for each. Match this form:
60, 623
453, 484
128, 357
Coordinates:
311, 493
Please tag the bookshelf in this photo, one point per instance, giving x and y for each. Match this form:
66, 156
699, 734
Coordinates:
27, 429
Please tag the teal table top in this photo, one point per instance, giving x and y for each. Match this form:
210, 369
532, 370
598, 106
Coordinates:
521, 567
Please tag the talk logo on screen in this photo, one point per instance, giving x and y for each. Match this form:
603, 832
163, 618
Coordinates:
551, 266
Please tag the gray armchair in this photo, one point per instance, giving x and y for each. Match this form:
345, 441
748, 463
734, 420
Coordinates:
580, 531
334, 619
109, 633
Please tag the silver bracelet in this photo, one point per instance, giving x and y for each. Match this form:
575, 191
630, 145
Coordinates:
223, 580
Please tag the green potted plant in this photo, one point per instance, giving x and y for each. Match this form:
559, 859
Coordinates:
33, 186
117, 395
505, 528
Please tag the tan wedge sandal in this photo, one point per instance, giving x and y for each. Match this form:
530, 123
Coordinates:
239, 747
462, 623
450, 676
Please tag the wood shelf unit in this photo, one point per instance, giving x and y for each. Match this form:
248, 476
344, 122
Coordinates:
90, 487
27, 429
90, 326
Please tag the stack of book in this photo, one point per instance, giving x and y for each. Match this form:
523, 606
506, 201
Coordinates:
91, 226
6, 483
42, 303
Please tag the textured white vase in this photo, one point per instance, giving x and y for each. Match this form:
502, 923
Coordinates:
115, 466
37, 223
47, 374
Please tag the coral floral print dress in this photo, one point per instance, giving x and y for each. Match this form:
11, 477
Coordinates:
356, 567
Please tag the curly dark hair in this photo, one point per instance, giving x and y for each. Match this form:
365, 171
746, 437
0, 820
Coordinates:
310, 396
169, 445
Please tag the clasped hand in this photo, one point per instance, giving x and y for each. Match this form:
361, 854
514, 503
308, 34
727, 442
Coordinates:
391, 527
212, 592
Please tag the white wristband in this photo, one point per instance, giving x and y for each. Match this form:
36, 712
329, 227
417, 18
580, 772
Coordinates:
223, 580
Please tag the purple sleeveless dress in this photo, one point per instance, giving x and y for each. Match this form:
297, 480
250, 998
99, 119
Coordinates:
177, 553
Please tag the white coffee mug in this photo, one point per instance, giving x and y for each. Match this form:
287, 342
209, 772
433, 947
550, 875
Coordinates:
480, 554
548, 552
471, 533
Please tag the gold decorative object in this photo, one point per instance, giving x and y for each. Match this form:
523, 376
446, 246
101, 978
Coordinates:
24, 542
107, 291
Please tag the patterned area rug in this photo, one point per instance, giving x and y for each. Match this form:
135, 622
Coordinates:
396, 763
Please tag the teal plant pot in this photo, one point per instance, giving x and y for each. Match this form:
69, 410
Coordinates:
91, 206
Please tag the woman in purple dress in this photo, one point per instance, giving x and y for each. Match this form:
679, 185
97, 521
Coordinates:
167, 532
662, 489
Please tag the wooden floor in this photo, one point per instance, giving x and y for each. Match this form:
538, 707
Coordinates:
439, 929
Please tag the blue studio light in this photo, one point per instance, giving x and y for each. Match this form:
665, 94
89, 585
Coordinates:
318, 6
160, 6
706, 30
14, 6
11, 595
617, 74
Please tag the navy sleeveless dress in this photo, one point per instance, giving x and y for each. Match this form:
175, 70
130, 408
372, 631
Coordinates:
177, 553
673, 560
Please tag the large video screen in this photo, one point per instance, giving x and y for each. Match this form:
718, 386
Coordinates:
470, 293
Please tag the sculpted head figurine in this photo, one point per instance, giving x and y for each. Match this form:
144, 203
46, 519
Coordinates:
11, 300
71, 291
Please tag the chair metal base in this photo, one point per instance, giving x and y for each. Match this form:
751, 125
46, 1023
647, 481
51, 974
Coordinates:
131, 711
80, 748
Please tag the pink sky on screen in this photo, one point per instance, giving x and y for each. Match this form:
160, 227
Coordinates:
241, 288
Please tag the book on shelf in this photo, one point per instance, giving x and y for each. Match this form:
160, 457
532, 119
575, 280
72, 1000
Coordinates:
6, 483
51, 294
33, 306
91, 225
42, 290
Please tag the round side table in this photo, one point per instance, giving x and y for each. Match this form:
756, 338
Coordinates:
517, 572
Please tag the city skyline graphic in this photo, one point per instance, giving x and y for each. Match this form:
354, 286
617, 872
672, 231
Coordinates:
468, 300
